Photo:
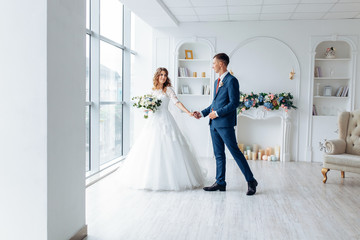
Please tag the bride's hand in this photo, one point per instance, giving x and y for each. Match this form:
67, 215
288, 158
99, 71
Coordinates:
191, 114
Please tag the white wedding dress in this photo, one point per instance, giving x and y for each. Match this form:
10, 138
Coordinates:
161, 158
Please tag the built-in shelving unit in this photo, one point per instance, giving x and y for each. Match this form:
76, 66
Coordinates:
332, 87
193, 82
195, 98
332, 79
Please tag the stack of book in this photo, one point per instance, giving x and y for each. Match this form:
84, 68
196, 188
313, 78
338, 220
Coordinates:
343, 91
314, 112
183, 72
317, 72
206, 90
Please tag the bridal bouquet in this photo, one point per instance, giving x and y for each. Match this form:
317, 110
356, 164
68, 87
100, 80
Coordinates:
148, 102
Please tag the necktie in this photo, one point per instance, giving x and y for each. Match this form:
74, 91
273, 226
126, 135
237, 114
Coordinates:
217, 86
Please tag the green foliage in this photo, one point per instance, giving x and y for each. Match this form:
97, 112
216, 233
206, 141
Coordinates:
268, 100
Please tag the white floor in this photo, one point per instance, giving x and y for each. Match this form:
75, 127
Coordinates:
291, 203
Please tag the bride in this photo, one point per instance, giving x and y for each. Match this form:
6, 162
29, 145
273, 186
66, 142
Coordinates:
161, 158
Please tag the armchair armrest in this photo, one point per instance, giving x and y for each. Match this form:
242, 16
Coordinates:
337, 146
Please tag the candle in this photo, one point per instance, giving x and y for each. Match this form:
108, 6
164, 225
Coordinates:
254, 156
241, 147
268, 151
262, 152
248, 152
259, 155
277, 152
255, 148
246, 157
277, 148
264, 157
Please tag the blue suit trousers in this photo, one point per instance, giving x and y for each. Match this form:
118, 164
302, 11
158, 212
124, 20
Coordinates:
226, 136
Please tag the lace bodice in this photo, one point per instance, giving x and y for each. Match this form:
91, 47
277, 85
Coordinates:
166, 97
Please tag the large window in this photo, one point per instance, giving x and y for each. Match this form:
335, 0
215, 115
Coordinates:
108, 53
111, 20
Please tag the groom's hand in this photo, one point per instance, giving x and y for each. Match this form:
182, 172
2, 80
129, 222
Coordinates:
212, 115
197, 115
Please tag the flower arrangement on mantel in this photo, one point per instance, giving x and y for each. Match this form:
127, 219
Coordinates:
269, 101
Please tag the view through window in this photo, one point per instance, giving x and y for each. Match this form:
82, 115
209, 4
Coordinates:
106, 23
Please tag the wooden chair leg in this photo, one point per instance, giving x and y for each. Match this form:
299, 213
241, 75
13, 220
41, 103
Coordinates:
324, 171
342, 174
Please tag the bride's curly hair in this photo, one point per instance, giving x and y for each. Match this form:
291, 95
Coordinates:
156, 79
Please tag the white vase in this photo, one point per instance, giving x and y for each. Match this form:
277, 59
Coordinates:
329, 56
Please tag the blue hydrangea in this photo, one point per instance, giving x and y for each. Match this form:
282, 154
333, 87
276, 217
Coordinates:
248, 103
268, 105
261, 98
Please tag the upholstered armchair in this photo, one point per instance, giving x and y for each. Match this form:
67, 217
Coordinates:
343, 154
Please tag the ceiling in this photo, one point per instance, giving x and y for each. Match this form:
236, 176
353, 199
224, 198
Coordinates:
161, 13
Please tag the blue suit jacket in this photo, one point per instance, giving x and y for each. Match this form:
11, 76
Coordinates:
225, 103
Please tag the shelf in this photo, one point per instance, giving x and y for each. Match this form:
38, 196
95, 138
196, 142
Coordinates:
325, 116
193, 95
194, 60
330, 97
332, 59
331, 78
193, 78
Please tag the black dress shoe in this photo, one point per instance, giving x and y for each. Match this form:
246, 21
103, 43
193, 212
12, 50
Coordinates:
215, 187
252, 187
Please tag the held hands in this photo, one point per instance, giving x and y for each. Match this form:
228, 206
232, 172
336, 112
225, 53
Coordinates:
192, 114
197, 115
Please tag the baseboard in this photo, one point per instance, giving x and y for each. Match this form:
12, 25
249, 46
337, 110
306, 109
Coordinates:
81, 234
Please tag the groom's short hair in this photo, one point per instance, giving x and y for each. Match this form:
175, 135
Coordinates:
223, 57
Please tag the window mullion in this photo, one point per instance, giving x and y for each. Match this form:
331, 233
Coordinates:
126, 80
95, 86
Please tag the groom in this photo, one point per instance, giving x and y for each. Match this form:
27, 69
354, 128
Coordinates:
222, 114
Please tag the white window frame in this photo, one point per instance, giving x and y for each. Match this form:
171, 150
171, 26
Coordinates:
95, 103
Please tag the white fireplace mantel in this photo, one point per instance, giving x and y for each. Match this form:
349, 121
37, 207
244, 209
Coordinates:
262, 113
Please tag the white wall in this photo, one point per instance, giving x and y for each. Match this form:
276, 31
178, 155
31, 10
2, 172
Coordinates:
65, 117
142, 71
295, 34
42, 65
23, 120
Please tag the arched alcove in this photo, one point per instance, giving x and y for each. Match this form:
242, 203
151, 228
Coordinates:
333, 74
263, 64
195, 98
